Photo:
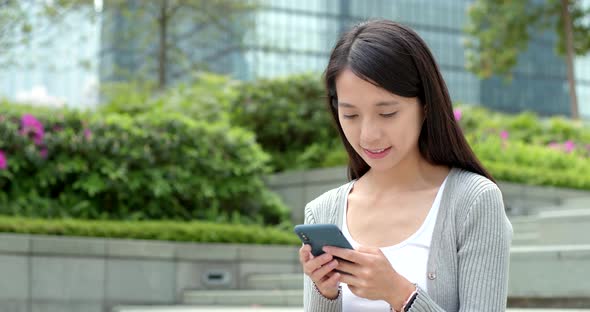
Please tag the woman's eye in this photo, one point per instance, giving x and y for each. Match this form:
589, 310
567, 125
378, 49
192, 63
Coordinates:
388, 115
349, 116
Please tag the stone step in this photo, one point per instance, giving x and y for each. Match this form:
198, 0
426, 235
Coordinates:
564, 214
189, 308
577, 203
275, 309
275, 281
522, 223
525, 230
525, 238
289, 297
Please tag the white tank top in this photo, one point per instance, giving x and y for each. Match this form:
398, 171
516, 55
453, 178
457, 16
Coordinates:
409, 258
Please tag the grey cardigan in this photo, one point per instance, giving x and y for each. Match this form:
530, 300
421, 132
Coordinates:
467, 266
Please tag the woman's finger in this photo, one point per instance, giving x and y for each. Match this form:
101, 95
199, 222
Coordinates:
312, 265
349, 279
318, 275
348, 267
331, 281
304, 254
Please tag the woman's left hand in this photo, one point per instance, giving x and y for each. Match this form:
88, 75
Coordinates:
369, 274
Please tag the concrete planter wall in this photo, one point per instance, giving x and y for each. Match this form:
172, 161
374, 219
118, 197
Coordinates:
72, 274
67, 274
549, 276
299, 187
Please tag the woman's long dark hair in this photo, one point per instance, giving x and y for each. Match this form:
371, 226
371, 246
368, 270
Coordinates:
392, 56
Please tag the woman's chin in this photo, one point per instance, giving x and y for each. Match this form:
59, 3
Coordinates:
381, 164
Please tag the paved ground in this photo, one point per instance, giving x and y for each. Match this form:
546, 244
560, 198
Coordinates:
279, 309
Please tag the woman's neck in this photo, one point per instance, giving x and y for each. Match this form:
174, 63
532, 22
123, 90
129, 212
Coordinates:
417, 174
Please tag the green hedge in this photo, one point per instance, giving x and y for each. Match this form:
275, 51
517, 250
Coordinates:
525, 127
208, 98
114, 166
526, 149
517, 161
287, 115
289, 118
198, 232
291, 123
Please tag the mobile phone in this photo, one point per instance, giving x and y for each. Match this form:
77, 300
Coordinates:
320, 235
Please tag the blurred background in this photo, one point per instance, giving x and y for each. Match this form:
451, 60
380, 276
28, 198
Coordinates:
155, 154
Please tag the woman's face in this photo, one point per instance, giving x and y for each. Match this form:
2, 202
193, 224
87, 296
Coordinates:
383, 128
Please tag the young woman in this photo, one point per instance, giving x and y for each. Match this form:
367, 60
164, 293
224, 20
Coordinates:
427, 221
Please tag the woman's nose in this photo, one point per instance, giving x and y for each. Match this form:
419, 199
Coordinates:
370, 133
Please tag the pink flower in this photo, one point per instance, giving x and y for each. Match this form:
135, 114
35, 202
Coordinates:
504, 135
458, 114
43, 153
3, 160
29, 121
569, 146
87, 134
32, 127
554, 145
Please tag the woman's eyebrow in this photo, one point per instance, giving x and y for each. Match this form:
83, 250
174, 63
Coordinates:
385, 103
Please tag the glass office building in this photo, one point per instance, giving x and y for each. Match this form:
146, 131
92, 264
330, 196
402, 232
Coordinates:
304, 32
296, 36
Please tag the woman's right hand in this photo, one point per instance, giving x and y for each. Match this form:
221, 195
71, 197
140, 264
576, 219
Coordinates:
320, 270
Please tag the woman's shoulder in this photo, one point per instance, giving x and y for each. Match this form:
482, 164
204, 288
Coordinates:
478, 205
469, 191
324, 206
468, 186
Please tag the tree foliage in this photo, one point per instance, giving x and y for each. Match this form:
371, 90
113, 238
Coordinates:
167, 40
500, 30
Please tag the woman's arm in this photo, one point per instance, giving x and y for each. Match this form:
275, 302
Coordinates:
313, 300
483, 240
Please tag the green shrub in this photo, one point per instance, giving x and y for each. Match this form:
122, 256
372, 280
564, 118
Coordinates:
288, 116
561, 129
291, 123
127, 97
208, 98
525, 127
153, 166
512, 161
195, 231
515, 161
